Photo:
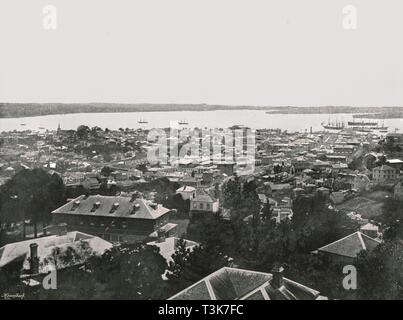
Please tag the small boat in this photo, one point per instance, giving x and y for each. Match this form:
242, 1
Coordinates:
42, 128
142, 121
23, 124
183, 122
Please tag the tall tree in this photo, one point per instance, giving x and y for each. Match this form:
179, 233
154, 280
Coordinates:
31, 194
189, 266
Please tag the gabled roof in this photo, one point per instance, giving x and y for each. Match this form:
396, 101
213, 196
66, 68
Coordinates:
238, 284
351, 245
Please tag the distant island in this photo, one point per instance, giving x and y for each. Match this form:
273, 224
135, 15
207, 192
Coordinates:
16, 110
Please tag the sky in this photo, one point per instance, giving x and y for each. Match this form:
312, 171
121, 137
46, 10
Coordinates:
233, 52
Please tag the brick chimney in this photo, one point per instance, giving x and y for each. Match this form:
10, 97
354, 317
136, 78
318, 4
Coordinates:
134, 196
161, 235
277, 280
33, 259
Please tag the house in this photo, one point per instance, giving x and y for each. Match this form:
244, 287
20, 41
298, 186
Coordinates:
395, 163
371, 230
226, 167
337, 197
398, 191
279, 189
114, 218
345, 250
238, 284
395, 139
384, 174
281, 214
203, 203
344, 149
300, 164
324, 192
186, 192
361, 183
91, 183
36, 254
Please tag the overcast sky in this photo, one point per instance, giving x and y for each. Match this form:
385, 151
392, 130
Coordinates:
238, 52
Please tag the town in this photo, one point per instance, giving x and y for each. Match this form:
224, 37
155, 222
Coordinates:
216, 222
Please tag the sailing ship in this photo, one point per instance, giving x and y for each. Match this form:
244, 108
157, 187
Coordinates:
333, 126
374, 125
381, 128
142, 121
361, 129
362, 123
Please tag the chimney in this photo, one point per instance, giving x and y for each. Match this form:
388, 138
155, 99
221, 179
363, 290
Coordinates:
277, 281
133, 197
161, 235
33, 259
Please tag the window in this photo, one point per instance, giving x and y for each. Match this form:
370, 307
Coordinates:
208, 206
201, 206
195, 205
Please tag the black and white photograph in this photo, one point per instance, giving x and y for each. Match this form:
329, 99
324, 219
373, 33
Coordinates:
201, 150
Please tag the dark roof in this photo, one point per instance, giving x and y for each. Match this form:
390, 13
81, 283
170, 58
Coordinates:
351, 245
115, 206
233, 284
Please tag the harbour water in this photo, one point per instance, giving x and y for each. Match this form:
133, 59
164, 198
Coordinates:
211, 119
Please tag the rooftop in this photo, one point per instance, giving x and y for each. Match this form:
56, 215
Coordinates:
114, 206
351, 245
238, 284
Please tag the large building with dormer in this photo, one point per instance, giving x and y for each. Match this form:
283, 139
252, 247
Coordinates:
114, 218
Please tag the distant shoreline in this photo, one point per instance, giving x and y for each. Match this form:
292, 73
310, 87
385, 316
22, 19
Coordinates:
22, 110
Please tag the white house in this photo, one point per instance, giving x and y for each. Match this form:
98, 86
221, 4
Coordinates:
187, 192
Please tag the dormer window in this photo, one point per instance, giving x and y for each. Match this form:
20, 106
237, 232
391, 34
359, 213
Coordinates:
76, 204
96, 206
115, 206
